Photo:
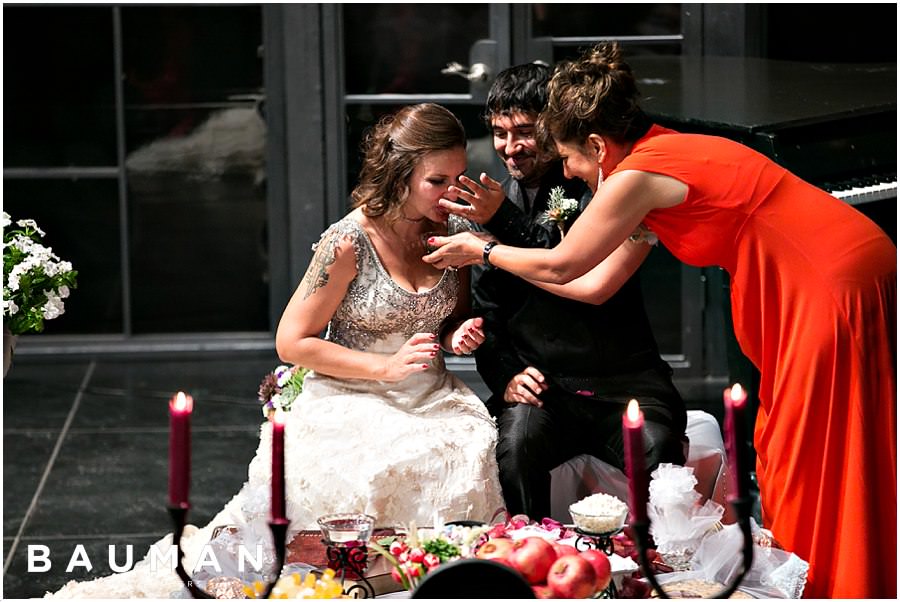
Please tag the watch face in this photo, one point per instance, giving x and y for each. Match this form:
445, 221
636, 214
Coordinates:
486, 255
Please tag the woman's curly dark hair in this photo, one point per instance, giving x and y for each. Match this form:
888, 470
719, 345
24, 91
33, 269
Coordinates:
595, 94
392, 150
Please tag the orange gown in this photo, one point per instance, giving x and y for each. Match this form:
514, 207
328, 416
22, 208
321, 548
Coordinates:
813, 293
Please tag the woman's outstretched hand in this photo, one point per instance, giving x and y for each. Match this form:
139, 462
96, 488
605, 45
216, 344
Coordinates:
457, 251
414, 356
484, 199
467, 336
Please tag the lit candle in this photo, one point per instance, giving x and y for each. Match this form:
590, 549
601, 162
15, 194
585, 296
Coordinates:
633, 435
180, 408
278, 503
736, 440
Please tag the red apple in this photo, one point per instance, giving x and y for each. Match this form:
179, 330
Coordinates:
572, 577
563, 549
532, 557
498, 549
602, 568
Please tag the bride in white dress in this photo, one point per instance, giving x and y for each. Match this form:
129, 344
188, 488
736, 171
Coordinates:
381, 426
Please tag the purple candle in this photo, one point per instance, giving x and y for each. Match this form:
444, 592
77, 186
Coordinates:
633, 435
735, 440
180, 408
278, 500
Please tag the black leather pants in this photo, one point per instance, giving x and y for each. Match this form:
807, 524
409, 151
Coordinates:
533, 441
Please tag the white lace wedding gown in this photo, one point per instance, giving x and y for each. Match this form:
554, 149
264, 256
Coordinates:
401, 452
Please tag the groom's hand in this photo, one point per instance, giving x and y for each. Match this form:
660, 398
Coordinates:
484, 199
525, 387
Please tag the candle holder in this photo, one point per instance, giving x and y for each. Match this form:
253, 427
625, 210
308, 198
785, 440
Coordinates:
350, 558
742, 507
345, 536
588, 540
179, 519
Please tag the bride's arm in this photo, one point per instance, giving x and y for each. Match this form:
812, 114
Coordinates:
312, 306
602, 281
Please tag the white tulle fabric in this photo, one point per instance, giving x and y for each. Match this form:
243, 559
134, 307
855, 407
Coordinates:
402, 452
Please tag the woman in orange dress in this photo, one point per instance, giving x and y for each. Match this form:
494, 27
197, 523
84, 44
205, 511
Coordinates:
813, 295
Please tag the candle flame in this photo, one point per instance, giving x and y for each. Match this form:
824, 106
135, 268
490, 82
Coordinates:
280, 416
633, 411
182, 402
737, 394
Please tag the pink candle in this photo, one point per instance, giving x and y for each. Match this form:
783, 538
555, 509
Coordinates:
736, 440
278, 503
180, 408
633, 435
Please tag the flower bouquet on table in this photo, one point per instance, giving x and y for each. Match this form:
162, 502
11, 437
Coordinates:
35, 280
422, 550
280, 388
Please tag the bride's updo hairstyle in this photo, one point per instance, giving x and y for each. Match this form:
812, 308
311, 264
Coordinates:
595, 94
392, 150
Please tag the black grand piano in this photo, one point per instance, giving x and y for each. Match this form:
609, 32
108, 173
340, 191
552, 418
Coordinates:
832, 124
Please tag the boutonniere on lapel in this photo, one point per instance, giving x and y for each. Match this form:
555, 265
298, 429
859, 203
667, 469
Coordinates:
560, 210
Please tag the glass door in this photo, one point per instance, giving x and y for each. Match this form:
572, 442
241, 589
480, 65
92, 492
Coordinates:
400, 54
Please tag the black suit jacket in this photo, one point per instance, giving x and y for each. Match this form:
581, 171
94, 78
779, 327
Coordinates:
577, 346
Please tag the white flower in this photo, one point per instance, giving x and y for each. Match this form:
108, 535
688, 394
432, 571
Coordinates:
559, 208
54, 306
30, 223
9, 307
276, 401
35, 280
282, 375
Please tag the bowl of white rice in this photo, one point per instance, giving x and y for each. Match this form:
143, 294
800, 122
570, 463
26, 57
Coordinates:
599, 513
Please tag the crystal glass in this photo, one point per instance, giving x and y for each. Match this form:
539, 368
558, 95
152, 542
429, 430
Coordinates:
346, 529
598, 523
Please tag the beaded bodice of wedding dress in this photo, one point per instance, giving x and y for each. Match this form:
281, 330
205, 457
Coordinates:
405, 451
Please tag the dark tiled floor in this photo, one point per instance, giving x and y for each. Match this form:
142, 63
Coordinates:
85, 457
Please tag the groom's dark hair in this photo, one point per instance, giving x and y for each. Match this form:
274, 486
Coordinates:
518, 89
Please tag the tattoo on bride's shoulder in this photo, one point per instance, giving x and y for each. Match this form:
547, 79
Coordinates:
316, 276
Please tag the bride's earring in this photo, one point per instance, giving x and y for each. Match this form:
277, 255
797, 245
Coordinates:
599, 175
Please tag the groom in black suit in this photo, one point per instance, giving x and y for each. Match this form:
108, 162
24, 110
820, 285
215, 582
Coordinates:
560, 371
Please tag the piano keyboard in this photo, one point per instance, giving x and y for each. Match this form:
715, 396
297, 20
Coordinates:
865, 190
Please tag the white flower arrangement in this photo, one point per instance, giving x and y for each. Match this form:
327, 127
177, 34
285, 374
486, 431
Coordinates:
35, 280
280, 388
559, 209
